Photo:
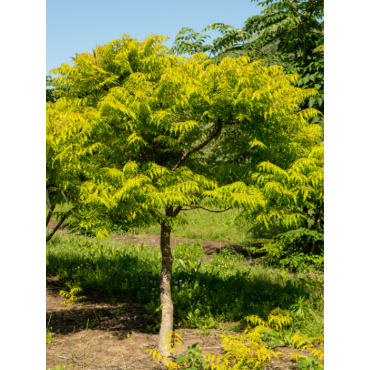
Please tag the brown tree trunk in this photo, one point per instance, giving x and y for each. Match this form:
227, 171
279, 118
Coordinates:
165, 289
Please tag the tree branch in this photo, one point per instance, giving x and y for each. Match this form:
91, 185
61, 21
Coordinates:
56, 228
48, 217
208, 210
70, 196
73, 212
156, 146
177, 210
143, 155
200, 146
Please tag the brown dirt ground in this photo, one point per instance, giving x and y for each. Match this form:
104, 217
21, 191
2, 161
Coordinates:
106, 346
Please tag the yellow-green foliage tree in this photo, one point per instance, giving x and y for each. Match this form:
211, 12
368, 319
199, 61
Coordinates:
138, 125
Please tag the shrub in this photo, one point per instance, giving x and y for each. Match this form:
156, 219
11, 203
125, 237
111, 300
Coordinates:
293, 250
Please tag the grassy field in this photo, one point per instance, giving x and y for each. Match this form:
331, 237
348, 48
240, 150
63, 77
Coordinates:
206, 294
204, 225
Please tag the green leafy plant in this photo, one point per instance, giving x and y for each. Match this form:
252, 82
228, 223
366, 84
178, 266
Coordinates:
50, 338
300, 307
91, 325
309, 363
193, 360
118, 312
49, 335
71, 294
271, 337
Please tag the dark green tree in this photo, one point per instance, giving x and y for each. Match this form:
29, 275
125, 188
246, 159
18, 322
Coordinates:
50, 90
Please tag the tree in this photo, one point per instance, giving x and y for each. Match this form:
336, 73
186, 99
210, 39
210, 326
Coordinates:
141, 124
297, 28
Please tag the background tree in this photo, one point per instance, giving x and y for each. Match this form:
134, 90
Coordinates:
50, 98
141, 124
289, 33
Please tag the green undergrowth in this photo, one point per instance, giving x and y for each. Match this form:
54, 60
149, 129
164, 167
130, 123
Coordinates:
206, 294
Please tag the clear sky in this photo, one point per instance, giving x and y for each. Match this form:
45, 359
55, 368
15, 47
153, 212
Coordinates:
80, 25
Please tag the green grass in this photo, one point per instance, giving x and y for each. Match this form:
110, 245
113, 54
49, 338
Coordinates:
205, 225
205, 294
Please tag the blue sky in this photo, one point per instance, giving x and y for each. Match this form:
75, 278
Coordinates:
78, 26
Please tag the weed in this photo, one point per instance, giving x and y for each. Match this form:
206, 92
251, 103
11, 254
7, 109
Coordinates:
71, 294
300, 307
49, 336
119, 310
310, 362
92, 324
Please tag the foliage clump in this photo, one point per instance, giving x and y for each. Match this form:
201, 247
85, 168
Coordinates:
252, 349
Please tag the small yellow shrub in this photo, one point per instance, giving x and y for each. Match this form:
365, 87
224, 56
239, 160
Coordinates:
71, 295
248, 350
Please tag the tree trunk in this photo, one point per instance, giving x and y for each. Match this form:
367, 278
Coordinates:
165, 289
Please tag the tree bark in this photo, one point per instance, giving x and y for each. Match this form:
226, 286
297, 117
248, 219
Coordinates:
165, 288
